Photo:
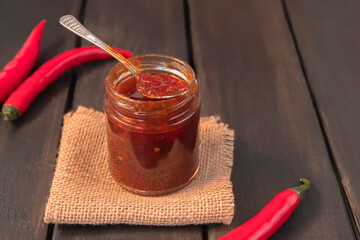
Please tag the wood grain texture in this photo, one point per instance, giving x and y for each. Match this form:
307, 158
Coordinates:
328, 39
28, 146
127, 232
142, 27
249, 74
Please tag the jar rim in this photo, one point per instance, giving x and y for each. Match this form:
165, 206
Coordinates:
112, 87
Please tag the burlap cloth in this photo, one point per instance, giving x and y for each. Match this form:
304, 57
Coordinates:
84, 192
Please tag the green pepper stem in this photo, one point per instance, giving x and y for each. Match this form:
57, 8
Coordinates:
9, 112
302, 188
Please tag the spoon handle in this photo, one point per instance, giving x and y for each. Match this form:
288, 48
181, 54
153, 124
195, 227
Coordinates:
71, 23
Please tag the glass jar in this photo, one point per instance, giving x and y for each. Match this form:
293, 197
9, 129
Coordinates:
153, 147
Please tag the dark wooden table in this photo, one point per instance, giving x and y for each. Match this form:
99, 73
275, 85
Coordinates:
284, 74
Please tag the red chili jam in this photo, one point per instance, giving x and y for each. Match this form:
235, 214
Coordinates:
157, 85
152, 142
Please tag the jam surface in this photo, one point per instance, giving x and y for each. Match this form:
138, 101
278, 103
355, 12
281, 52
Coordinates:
158, 160
157, 85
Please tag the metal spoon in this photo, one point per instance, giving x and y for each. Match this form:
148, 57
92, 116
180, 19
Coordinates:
71, 23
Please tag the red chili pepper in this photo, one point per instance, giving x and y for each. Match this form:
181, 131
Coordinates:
271, 217
19, 68
19, 100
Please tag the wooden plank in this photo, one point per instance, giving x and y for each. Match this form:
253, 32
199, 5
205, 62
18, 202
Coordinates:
125, 232
142, 27
249, 74
28, 146
328, 38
